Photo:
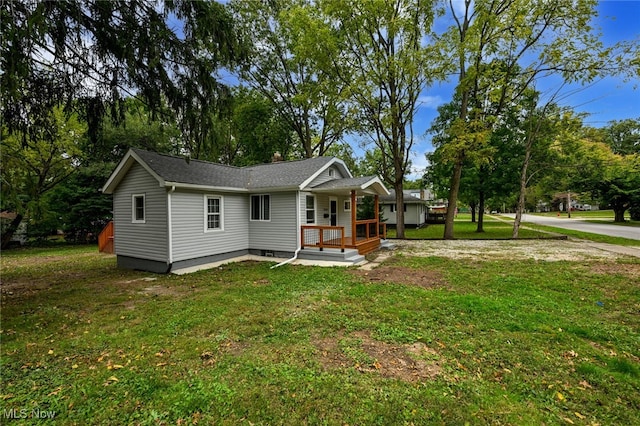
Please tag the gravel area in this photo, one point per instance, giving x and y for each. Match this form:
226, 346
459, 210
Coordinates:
544, 250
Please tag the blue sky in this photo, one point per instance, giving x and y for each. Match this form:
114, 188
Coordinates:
607, 99
603, 101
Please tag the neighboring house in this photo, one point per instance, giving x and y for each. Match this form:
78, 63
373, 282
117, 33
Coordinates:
20, 235
171, 213
415, 207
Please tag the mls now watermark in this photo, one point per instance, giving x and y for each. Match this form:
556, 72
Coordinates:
35, 413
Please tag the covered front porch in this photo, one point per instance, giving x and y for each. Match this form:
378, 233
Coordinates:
338, 226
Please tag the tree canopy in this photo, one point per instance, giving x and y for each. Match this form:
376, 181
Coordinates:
90, 56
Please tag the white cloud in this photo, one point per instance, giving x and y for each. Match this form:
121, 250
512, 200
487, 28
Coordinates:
430, 101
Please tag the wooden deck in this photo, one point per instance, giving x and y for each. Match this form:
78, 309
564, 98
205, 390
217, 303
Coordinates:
368, 236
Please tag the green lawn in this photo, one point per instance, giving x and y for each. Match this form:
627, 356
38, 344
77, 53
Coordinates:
420, 341
494, 229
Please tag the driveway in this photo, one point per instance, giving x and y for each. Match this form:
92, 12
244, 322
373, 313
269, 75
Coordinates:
630, 232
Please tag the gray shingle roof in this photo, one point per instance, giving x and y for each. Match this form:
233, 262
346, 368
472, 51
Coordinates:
408, 198
345, 183
196, 172
285, 174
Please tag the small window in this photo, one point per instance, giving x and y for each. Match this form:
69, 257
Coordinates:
332, 172
261, 207
213, 213
347, 205
394, 208
310, 208
138, 208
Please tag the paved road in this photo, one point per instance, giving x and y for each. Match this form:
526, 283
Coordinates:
581, 225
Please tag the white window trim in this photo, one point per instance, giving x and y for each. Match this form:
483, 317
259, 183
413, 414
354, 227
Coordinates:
261, 204
332, 172
315, 209
133, 208
207, 197
344, 206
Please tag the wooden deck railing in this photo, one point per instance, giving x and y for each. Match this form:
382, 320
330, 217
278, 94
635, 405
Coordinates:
367, 229
322, 236
105, 239
368, 232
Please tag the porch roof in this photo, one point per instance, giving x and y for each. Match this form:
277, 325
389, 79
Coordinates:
367, 185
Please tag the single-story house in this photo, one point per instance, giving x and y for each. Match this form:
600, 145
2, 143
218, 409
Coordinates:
171, 213
415, 208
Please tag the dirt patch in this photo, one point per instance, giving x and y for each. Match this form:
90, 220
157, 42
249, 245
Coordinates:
233, 347
631, 270
158, 290
411, 362
402, 275
25, 289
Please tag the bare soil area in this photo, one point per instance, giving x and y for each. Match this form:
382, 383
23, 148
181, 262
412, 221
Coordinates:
400, 275
412, 363
543, 250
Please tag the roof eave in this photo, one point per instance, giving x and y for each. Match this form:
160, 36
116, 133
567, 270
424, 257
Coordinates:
195, 186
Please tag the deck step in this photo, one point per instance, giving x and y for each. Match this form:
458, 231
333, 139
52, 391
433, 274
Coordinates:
386, 244
331, 255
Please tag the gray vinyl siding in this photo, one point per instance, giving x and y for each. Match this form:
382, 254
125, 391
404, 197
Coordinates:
411, 217
140, 240
323, 206
388, 215
189, 239
344, 217
280, 233
324, 176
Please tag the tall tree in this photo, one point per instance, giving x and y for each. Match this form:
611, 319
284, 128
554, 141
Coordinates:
592, 166
623, 136
285, 64
537, 128
258, 130
531, 40
385, 61
164, 52
33, 164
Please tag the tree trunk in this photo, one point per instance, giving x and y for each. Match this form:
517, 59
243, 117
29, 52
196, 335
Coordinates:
473, 206
523, 189
480, 227
618, 214
399, 210
11, 229
454, 187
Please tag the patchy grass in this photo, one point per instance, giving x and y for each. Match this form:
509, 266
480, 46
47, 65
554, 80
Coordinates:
494, 229
424, 340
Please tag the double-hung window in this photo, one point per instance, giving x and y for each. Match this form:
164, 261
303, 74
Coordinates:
138, 208
213, 213
310, 207
261, 207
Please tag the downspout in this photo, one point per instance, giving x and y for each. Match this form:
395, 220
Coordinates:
170, 227
298, 236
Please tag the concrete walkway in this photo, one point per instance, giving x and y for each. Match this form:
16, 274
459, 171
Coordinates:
259, 259
626, 250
